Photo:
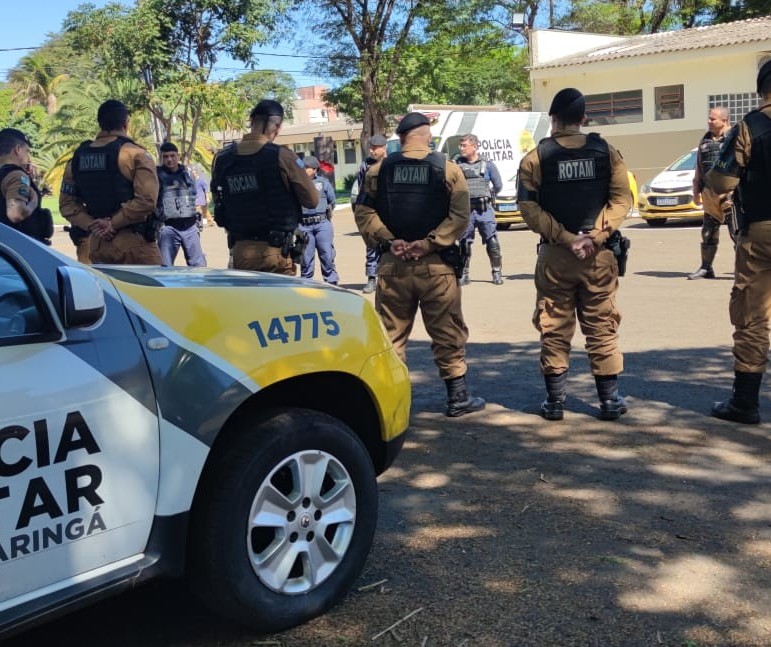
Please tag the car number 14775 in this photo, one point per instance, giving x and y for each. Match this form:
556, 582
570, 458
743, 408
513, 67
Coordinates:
295, 327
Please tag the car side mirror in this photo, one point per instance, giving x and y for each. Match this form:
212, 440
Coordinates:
82, 298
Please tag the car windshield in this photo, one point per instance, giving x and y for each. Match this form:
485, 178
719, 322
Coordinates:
686, 163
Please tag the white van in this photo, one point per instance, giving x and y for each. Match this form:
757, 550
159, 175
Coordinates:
504, 138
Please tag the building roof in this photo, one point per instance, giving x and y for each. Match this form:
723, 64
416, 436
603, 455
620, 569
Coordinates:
752, 30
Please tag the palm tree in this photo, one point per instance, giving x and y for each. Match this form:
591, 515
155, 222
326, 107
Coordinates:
36, 81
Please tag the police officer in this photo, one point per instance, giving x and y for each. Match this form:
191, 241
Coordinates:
259, 189
574, 192
377, 152
20, 207
415, 206
745, 162
110, 189
484, 183
714, 215
176, 211
317, 225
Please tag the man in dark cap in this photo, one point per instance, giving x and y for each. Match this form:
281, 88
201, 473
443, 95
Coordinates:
259, 189
317, 225
20, 206
377, 152
744, 164
110, 189
176, 211
574, 192
414, 208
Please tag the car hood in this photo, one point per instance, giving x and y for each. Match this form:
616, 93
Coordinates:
672, 180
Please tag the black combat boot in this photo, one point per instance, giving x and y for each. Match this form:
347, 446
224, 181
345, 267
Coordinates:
459, 402
553, 406
743, 406
612, 405
496, 259
705, 271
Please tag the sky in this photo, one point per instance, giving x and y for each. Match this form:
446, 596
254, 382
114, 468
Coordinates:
27, 22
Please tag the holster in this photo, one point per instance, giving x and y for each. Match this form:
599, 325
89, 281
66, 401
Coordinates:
149, 228
300, 241
619, 245
453, 256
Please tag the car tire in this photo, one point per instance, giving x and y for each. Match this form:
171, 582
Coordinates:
271, 547
656, 222
503, 226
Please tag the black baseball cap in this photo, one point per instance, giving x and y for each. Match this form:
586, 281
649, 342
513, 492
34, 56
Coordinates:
411, 121
267, 108
377, 140
763, 73
13, 133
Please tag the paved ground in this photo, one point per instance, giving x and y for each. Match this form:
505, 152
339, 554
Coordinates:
501, 529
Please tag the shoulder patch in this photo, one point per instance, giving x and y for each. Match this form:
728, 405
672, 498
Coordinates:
299, 162
24, 179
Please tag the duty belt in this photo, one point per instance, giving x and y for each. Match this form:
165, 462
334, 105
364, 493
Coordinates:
181, 223
480, 204
313, 220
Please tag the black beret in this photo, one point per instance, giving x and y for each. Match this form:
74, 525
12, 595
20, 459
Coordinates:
377, 140
267, 108
763, 73
412, 120
567, 101
13, 133
311, 161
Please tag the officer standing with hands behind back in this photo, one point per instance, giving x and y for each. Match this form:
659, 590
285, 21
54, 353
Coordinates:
110, 188
574, 192
377, 152
259, 189
745, 162
416, 206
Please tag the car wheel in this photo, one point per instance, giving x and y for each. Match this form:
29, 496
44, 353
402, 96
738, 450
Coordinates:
503, 226
285, 521
656, 222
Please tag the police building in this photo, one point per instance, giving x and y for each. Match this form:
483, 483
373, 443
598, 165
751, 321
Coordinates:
650, 95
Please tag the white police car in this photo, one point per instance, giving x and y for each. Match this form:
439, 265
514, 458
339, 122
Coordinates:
158, 421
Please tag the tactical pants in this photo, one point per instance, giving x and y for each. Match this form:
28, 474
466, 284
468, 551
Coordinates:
321, 239
370, 265
258, 256
126, 248
568, 287
484, 222
750, 305
83, 250
431, 285
170, 239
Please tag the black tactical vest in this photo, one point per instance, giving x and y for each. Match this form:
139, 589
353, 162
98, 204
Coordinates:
39, 225
411, 195
709, 150
252, 194
755, 184
177, 194
474, 172
100, 183
574, 185
321, 207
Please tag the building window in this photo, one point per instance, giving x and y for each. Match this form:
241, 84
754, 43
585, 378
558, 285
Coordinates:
670, 103
614, 108
349, 152
738, 104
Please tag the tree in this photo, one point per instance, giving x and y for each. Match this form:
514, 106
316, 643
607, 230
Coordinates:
172, 45
36, 80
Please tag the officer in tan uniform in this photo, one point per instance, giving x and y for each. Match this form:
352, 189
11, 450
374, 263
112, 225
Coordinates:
714, 204
259, 189
20, 202
416, 205
744, 164
110, 189
574, 192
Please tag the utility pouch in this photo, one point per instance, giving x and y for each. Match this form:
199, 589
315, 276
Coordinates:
279, 239
619, 245
453, 256
298, 247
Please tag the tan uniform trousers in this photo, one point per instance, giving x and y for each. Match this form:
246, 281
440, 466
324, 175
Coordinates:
750, 305
258, 256
83, 250
126, 248
568, 287
431, 285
